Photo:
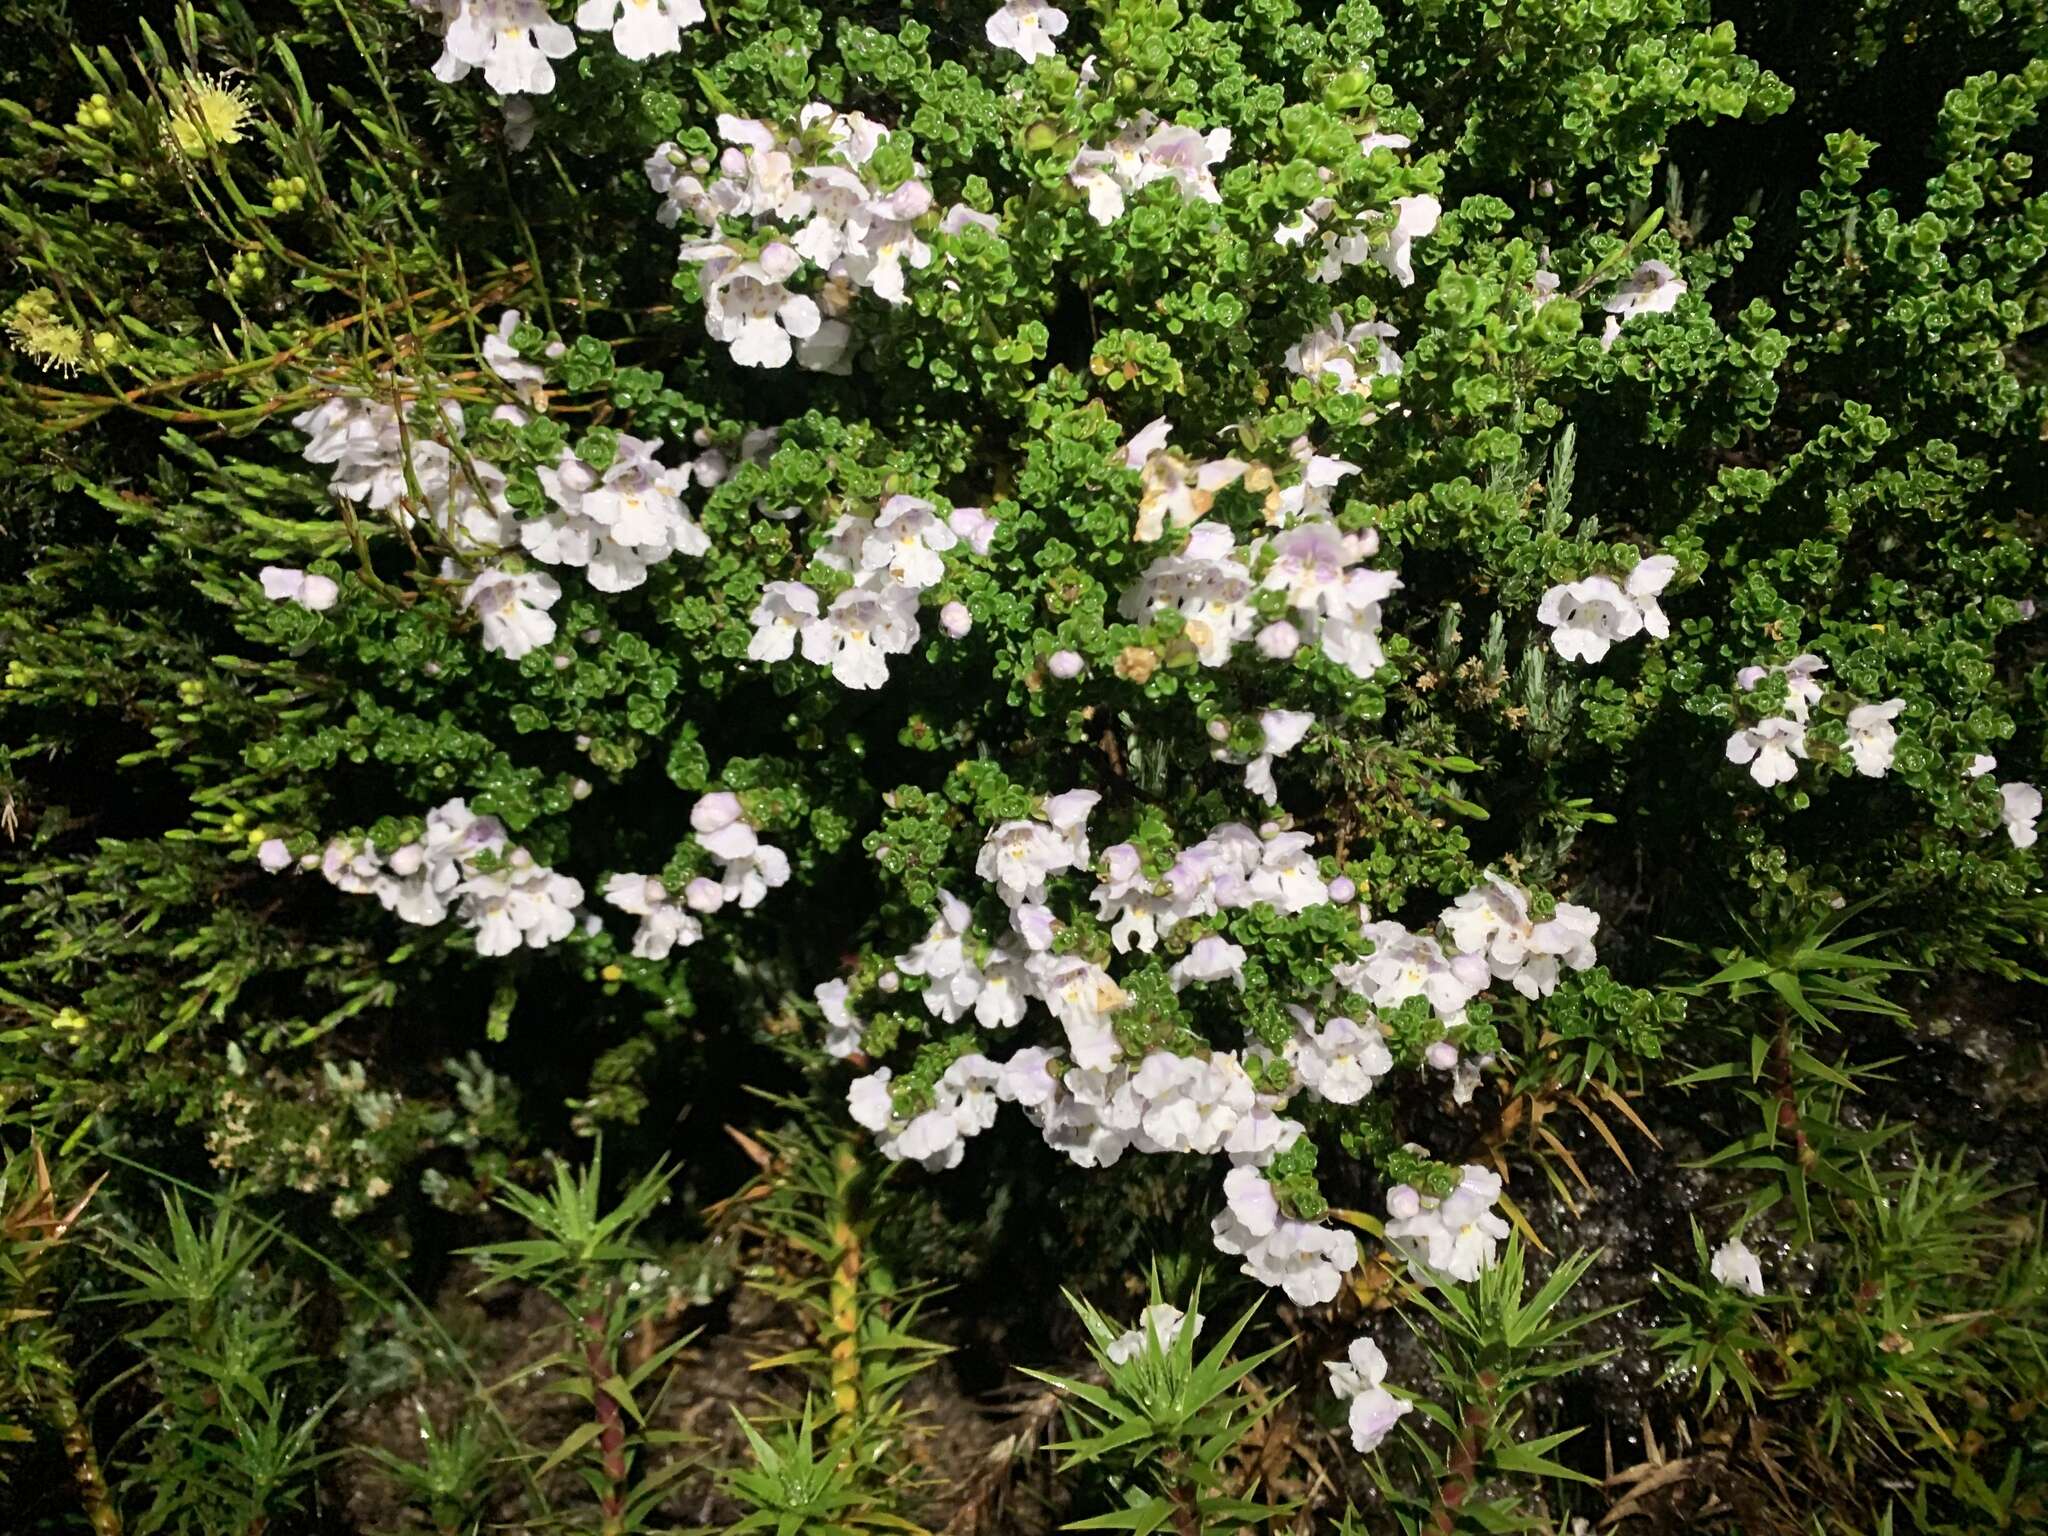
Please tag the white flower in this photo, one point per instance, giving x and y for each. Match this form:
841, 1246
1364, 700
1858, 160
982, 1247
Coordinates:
1359, 1377
1213, 958
1083, 997
1586, 617
1281, 731
1286, 877
1982, 764
1176, 492
1019, 856
1067, 814
1872, 737
1279, 641
2020, 810
758, 318
1769, 748
273, 854
975, 527
506, 363
868, 1100
717, 819
514, 609
1027, 1078
1341, 1062
859, 632
1414, 218
842, 1029
955, 620
1160, 1327
1187, 157
1455, 1237
281, 584
1027, 28
1652, 289
1645, 583
1737, 1268
907, 540
749, 879
641, 29
511, 41
786, 609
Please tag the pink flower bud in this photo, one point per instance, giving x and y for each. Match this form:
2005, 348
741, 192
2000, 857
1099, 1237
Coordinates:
1278, 641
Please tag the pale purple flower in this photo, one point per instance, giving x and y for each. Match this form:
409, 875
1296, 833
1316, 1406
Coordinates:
1652, 289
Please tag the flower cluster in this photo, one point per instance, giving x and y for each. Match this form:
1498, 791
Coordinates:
814, 204
1493, 920
1452, 1238
748, 869
1145, 151
462, 862
963, 1105
1332, 601
1305, 1259
1586, 617
1102, 1092
614, 523
1346, 240
1773, 746
617, 522
891, 559
515, 42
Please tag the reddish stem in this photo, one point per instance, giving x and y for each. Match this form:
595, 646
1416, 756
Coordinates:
611, 1435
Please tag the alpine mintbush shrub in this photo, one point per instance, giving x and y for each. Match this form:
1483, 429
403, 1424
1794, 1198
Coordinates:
1158, 606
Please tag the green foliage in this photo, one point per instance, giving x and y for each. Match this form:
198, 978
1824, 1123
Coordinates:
1494, 1344
1160, 1429
219, 216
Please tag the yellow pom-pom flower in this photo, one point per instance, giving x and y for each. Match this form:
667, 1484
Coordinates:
206, 110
